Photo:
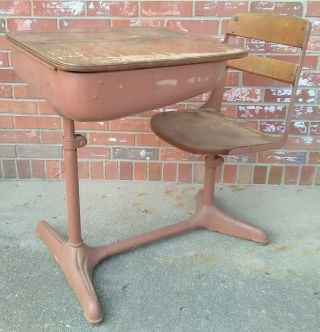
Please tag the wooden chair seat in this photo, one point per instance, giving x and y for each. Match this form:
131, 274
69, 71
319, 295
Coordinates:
205, 131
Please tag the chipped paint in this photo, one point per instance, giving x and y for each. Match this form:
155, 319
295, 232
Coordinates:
167, 82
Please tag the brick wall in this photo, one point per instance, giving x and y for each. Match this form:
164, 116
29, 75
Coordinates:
30, 132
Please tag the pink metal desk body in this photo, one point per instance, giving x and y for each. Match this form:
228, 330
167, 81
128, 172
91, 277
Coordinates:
94, 95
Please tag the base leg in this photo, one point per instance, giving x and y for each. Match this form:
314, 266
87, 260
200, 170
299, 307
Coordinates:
215, 220
77, 267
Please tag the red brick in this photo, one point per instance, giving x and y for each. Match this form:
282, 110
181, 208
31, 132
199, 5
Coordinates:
314, 44
303, 142
307, 112
307, 175
37, 122
218, 175
242, 94
220, 8
133, 22
315, 128
23, 167
272, 127
19, 136
58, 8
314, 158
38, 170
130, 124
9, 75
93, 152
115, 139
313, 8
259, 175
24, 91
282, 157
149, 140
166, 8
229, 173
96, 170
309, 80
240, 158
101, 125
6, 121
198, 173
45, 108
31, 24
229, 110
140, 171
111, 170
83, 169
277, 127
275, 175
284, 95
51, 137
9, 169
232, 78
66, 24
52, 168
126, 170
315, 26
21, 91
112, 8
15, 106
15, 7
184, 172
169, 171
172, 154
291, 175
255, 80
261, 112
4, 60
277, 7
5, 91
155, 170
201, 27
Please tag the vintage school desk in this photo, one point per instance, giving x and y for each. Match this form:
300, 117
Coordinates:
105, 75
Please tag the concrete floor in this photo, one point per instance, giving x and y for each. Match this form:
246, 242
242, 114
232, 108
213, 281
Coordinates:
199, 281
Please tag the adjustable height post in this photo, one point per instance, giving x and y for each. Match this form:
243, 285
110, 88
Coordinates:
71, 142
211, 163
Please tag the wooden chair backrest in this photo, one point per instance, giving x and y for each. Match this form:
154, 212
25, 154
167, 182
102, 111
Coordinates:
279, 29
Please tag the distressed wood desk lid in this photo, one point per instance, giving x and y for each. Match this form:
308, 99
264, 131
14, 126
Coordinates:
121, 48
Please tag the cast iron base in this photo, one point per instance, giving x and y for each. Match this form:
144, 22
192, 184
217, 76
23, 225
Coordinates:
78, 262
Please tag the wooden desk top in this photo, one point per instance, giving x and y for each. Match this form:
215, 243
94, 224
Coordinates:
121, 49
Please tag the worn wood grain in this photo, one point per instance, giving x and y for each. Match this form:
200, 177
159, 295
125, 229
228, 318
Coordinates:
271, 68
122, 48
281, 29
205, 131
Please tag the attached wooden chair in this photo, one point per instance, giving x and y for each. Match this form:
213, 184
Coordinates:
206, 131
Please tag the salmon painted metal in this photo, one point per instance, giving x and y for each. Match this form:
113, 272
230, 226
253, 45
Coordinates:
112, 74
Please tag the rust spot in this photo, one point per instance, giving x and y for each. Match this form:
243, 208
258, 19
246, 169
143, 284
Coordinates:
250, 251
284, 249
142, 194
